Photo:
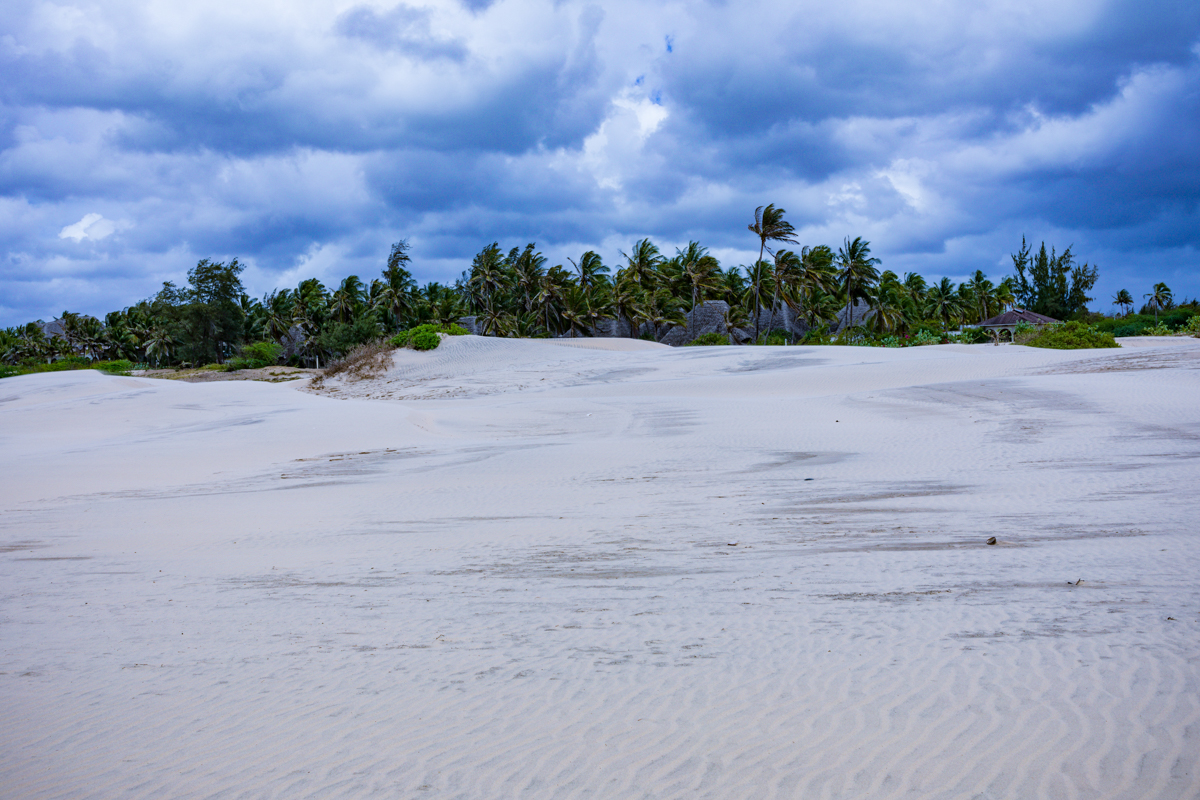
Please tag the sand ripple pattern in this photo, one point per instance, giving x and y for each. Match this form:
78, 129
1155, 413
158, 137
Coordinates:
612, 588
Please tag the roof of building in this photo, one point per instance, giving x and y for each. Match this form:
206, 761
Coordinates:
1017, 315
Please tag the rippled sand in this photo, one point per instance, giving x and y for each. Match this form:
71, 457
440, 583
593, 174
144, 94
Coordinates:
529, 570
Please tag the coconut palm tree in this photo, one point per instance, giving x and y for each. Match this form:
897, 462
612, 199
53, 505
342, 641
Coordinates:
787, 273
626, 301
1123, 299
890, 307
488, 279
700, 270
159, 343
528, 269
662, 308
857, 272
345, 302
769, 226
643, 263
735, 317
1160, 297
592, 272
943, 301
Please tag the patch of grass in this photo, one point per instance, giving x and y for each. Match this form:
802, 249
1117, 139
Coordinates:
114, 367
709, 340
1071, 336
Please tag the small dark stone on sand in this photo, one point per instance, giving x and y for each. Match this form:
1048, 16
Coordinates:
991, 540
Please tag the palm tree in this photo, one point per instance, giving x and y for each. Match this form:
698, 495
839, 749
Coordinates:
592, 272
1123, 299
1160, 297
527, 272
700, 270
346, 300
643, 264
735, 317
786, 275
575, 311
981, 291
943, 301
158, 343
662, 308
487, 276
890, 312
626, 301
769, 226
858, 272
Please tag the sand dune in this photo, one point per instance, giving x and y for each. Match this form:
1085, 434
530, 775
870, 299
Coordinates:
507, 569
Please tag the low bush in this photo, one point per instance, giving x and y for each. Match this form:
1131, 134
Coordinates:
255, 356
1160, 329
425, 340
708, 340
1072, 336
925, 337
776, 338
970, 336
407, 338
118, 366
891, 341
817, 336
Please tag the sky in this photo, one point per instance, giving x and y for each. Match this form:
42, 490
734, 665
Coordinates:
305, 137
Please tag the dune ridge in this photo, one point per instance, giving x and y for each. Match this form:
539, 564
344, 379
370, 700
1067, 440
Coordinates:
705, 572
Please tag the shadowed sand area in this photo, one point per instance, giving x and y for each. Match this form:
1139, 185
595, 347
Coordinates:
505, 570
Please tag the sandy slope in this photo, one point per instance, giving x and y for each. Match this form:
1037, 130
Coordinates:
513, 577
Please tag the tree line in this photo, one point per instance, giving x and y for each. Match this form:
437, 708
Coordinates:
516, 293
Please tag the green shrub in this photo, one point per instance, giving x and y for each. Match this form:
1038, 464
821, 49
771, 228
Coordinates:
425, 340
857, 336
1072, 336
339, 338
1160, 329
708, 340
262, 354
970, 336
408, 337
924, 337
1130, 329
775, 338
1192, 325
119, 366
891, 341
817, 336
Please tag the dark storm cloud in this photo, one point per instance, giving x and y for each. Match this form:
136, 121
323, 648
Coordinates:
133, 144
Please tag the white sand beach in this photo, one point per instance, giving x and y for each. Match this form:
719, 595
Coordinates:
535, 569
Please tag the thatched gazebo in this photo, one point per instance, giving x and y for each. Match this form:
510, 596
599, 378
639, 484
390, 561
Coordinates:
1009, 320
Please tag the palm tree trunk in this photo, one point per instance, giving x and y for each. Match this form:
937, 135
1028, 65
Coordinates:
757, 279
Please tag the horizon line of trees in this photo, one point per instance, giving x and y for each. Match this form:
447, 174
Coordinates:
515, 293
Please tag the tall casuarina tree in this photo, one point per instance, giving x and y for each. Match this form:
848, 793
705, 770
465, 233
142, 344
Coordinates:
769, 226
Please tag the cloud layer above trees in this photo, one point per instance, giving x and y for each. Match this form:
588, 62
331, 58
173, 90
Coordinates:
137, 137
